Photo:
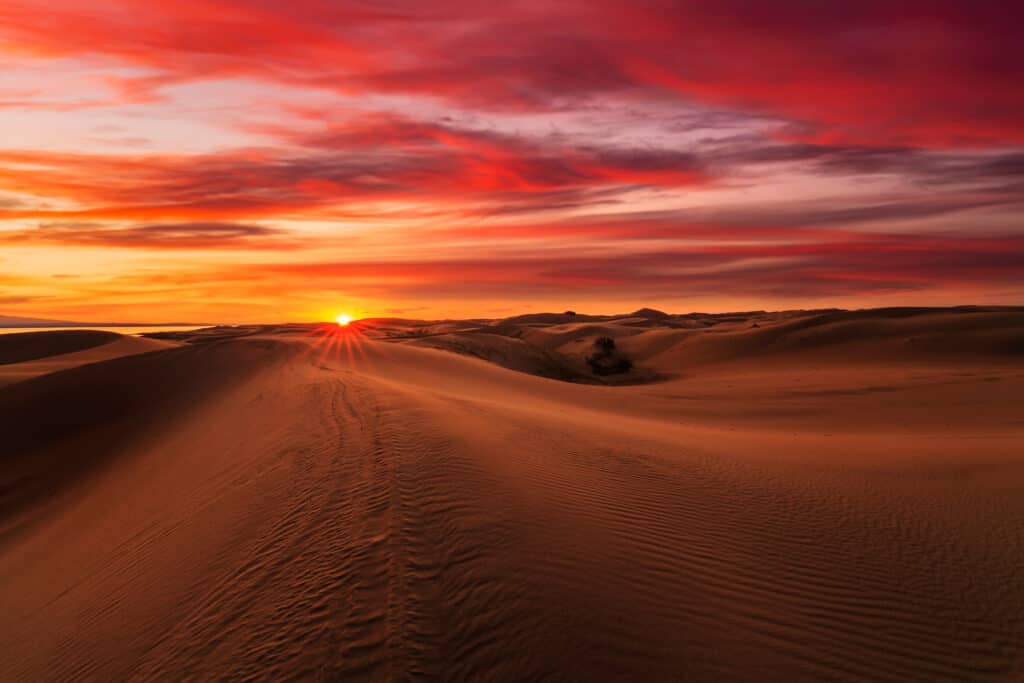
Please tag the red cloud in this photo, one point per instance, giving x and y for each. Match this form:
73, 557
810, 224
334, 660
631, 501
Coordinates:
838, 267
936, 73
876, 72
384, 158
201, 235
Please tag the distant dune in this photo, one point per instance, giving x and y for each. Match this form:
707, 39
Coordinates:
30, 354
661, 345
20, 347
10, 321
797, 496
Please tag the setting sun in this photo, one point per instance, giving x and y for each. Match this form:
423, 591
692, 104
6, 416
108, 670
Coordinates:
343, 319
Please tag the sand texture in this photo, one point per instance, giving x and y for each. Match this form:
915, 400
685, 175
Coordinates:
822, 496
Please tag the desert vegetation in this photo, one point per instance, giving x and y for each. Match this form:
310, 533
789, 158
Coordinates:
606, 358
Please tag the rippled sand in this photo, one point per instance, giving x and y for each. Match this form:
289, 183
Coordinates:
799, 501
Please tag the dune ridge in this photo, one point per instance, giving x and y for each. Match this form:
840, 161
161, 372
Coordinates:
662, 346
58, 358
95, 410
361, 506
25, 346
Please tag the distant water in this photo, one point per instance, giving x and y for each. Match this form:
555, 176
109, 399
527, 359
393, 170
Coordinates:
119, 330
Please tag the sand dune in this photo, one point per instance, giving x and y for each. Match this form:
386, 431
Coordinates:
60, 426
831, 496
40, 353
25, 346
556, 345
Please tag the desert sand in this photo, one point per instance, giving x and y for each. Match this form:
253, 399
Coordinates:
800, 496
31, 354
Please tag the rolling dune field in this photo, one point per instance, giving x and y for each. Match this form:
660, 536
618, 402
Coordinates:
828, 496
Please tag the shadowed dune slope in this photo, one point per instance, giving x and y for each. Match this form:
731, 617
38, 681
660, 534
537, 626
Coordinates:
59, 426
23, 346
509, 352
345, 508
121, 346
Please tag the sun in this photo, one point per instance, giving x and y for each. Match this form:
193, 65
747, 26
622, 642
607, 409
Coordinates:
343, 319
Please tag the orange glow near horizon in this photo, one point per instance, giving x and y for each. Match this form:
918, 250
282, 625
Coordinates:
333, 341
153, 171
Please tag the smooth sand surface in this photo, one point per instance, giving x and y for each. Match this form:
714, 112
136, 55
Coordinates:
811, 499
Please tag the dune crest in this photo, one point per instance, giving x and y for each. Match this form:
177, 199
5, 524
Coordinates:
62, 355
25, 346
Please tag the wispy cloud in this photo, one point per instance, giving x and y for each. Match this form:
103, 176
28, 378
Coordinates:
152, 236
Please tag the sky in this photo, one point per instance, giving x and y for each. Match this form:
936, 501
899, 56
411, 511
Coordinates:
258, 160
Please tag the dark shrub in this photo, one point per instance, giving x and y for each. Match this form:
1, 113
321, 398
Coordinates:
606, 360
